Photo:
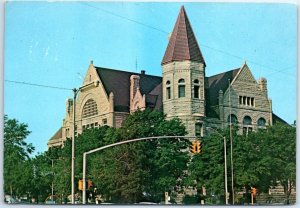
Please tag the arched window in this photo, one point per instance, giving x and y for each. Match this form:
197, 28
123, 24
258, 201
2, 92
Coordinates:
261, 122
196, 88
89, 108
168, 89
247, 120
181, 88
234, 119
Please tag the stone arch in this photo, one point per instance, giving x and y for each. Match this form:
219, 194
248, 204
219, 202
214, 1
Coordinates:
261, 121
89, 108
82, 102
234, 119
247, 120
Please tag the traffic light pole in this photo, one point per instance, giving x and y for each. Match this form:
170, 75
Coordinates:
116, 144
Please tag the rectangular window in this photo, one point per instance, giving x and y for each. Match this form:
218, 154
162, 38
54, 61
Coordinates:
241, 100
244, 100
92, 125
104, 121
252, 101
245, 130
168, 92
248, 101
96, 124
181, 91
199, 130
196, 91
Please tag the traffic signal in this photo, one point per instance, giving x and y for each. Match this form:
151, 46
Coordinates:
90, 184
80, 185
253, 191
196, 147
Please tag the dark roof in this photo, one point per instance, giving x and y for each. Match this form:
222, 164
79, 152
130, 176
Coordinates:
118, 82
57, 135
154, 98
218, 82
182, 44
277, 119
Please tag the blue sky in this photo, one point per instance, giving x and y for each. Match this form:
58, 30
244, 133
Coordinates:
52, 43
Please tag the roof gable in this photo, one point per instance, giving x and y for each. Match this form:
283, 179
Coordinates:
182, 44
244, 75
57, 135
118, 82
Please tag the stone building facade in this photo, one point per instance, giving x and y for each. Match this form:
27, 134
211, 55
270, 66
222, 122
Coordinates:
108, 96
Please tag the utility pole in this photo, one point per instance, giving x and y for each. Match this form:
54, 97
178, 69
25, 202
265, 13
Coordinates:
52, 187
225, 172
225, 163
73, 146
231, 147
75, 92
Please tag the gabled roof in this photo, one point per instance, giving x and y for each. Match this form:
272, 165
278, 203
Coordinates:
182, 44
118, 82
57, 135
218, 82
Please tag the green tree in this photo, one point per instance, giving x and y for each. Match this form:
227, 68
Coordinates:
42, 178
279, 144
17, 167
137, 171
261, 159
207, 169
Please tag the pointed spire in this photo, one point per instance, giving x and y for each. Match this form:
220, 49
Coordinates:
182, 44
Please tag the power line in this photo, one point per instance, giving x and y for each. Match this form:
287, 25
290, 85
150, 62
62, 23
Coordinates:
37, 85
203, 45
122, 17
273, 73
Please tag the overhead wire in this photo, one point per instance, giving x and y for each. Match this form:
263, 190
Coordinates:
203, 45
162, 31
36, 85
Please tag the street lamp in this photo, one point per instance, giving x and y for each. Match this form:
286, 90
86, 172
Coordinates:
225, 163
75, 92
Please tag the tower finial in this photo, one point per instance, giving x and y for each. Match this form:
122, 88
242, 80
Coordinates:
92, 62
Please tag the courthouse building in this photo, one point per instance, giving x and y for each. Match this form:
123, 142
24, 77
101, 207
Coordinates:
108, 96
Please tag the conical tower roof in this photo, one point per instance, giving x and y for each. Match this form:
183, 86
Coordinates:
182, 44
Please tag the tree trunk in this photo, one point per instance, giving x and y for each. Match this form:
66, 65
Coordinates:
288, 191
10, 190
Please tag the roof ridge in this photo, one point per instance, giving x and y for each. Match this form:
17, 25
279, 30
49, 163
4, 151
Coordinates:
224, 72
129, 72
